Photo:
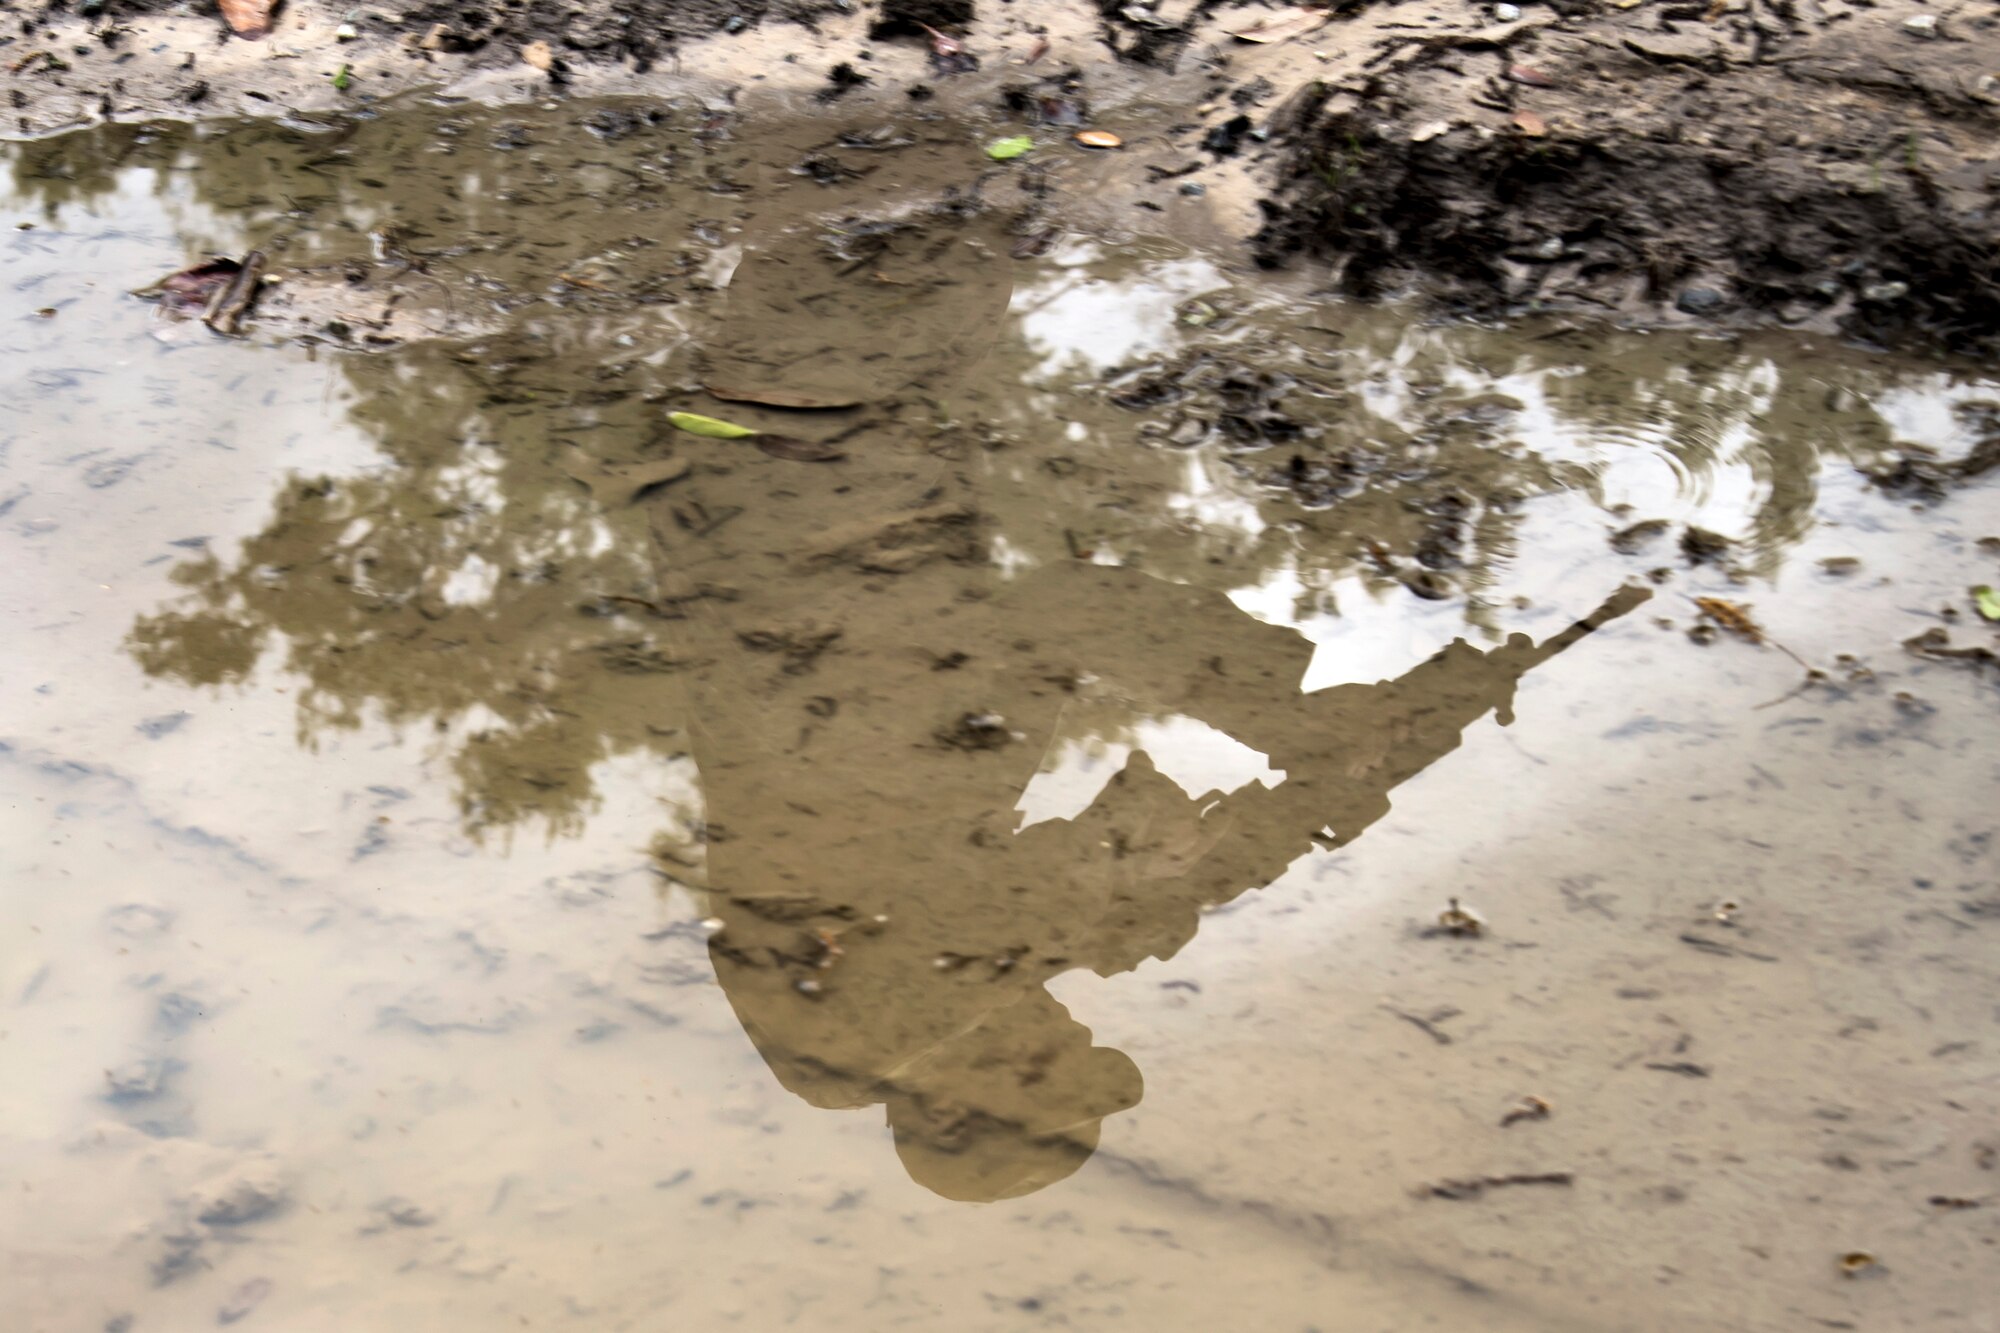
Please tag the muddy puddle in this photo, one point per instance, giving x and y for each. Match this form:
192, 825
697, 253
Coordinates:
1161, 800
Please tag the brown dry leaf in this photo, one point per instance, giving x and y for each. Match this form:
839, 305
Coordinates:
1099, 139
778, 397
1731, 616
539, 55
1281, 26
247, 18
190, 291
1530, 124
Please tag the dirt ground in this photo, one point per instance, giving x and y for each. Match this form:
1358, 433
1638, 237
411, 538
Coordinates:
1810, 163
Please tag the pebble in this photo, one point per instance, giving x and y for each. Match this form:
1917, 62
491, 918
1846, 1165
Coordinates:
1883, 292
1506, 13
1923, 25
1194, 190
1700, 301
346, 32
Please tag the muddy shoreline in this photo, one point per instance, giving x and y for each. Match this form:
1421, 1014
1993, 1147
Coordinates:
1805, 165
1809, 166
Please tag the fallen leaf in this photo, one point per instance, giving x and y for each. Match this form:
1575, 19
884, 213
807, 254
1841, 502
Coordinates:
1856, 1262
539, 55
1003, 150
778, 397
1530, 124
247, 18
696, 424
1987, 601
942, 46
1281, 26
1099, 139
1529, 75
948, 54
1732, 616
189, 291
342, 78
800, 451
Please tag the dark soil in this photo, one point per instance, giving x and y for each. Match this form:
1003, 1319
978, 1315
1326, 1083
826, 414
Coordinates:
636, 30
1829, 165
1805, 170
910, 18
640, 31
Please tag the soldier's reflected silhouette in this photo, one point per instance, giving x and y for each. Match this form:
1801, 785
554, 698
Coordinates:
869, 693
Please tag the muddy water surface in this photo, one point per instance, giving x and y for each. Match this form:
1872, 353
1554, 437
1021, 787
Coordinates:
982, 852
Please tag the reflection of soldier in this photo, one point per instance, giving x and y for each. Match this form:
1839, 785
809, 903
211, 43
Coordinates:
868, 697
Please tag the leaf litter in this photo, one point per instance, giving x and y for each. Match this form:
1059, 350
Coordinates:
1281, 26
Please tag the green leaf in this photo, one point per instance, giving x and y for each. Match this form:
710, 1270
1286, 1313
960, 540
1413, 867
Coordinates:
695, 424
1987, 601
343, 78
1002, 150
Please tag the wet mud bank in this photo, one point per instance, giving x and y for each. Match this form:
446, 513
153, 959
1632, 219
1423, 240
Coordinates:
1822, 166
1817, 165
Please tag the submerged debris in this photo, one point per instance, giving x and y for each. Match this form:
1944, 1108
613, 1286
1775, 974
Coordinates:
1632, 539
1475, 1186
1936, 643
1855, 1263
1702, 547
1458, 919
976, 731
1528, 1108
221, 289
1733, 617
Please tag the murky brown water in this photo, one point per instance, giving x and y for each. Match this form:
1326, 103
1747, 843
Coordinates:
478, 857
